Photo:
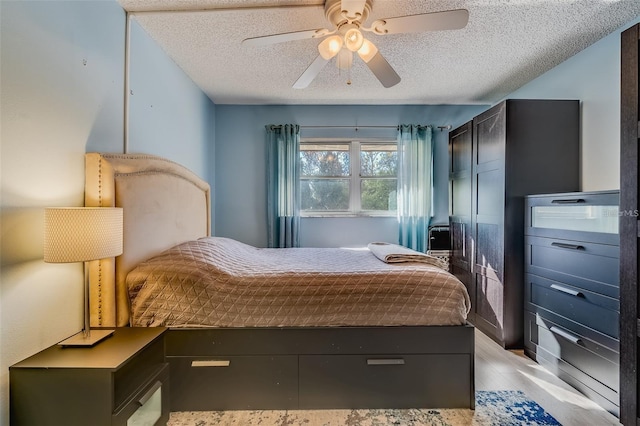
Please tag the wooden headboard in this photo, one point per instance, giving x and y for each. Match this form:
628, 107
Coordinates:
163, 203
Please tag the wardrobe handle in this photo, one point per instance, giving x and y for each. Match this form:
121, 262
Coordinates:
567, 246
386, 361
570, 337
569, 201
211, 363
567, 290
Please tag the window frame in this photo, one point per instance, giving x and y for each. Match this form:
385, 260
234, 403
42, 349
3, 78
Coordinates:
355, 177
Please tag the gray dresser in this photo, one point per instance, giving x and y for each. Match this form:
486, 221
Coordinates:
572, 279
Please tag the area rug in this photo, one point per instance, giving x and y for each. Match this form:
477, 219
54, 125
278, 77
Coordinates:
493, 408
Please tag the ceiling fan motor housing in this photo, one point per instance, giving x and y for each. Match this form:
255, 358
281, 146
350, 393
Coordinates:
333, 13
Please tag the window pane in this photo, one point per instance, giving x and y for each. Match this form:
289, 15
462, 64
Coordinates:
378, 194
324, 160
324, 194
378, 160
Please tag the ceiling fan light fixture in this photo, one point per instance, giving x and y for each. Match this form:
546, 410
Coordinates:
367, 51
346, 37
330, 47
353, 39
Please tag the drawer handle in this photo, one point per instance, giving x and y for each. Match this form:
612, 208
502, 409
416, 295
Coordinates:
568, 201
568, 246
211, 363
566, 335
567, 290
388, 361
147, 396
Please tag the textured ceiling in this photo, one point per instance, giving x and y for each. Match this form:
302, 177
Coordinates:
505, 44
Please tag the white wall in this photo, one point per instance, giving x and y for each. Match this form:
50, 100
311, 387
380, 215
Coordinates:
62, 95
592, 76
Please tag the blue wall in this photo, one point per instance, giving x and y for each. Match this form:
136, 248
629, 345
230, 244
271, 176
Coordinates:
240, 167
63, 94
593, 76
169, 115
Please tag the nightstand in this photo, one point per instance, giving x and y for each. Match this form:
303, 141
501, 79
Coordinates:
122, 380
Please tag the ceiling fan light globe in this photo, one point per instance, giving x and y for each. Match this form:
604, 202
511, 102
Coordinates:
330, 47
367, 51
353, 39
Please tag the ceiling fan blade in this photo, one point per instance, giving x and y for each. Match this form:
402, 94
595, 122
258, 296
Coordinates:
447, 20
353, 8
383, 71
281, 38
310, 73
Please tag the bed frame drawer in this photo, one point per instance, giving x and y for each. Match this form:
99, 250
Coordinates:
234, 382
399, 381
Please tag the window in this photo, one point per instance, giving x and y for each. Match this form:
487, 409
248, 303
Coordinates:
348, 178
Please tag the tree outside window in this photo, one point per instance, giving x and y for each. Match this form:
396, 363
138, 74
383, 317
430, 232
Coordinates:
347, 178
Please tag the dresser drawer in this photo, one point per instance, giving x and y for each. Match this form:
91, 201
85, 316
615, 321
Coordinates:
578, 216
592, 310
399, 381
234, 382
589, 266
581, 359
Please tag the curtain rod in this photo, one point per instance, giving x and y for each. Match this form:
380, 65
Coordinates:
349, 127
441, 128
367, 127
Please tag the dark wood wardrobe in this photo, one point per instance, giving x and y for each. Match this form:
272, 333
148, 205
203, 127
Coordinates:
629, 226
516, 148
460, 153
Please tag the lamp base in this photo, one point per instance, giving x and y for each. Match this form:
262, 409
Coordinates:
90, 339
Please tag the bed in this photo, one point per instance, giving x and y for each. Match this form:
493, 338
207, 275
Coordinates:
279, 354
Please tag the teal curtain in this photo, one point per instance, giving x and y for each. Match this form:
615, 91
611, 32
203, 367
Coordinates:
415, 185
283, 189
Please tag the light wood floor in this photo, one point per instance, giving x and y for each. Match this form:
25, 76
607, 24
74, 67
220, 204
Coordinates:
497, 369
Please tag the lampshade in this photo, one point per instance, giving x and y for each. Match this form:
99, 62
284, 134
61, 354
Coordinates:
367, 51
80, 234
330, 47
353, 39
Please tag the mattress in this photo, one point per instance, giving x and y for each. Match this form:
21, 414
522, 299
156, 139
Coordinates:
220, 282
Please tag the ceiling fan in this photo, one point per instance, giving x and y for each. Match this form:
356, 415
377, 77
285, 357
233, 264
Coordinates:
346, 38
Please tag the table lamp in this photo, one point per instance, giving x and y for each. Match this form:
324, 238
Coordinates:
82, 234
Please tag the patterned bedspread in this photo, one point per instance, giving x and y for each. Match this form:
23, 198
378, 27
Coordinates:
224, 283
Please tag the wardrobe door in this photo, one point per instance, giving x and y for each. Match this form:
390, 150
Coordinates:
488, 189
460, 168
629, 226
